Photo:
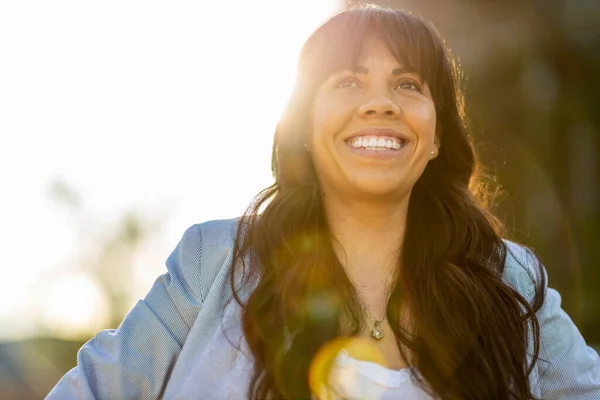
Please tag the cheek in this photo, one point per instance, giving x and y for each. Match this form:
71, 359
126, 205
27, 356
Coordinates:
423, 120
329, 117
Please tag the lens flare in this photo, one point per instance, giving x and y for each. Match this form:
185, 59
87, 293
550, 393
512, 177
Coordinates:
330, 378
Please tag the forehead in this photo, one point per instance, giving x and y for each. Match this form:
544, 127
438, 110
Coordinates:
375, 52
371, 48
350, 39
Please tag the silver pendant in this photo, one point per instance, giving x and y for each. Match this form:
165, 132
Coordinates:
376, 332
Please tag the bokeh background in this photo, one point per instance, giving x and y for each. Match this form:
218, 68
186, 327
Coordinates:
124, 122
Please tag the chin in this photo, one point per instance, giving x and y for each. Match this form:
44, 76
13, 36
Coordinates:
380, 189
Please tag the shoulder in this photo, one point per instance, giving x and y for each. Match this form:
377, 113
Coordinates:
570, 368
203, 239
220, 230
217, 234
523, 269
205, 250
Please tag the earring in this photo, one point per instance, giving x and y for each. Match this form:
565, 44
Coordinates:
432, 152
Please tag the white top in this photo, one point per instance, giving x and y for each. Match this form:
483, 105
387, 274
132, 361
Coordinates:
357, 379
350, 378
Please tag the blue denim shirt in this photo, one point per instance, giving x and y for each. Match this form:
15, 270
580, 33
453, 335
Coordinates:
150, 353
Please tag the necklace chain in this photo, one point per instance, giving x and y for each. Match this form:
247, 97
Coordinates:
376, 330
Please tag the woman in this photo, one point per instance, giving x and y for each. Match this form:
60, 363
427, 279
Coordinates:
374, 232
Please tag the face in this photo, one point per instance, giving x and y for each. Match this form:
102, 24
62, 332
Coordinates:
373, 129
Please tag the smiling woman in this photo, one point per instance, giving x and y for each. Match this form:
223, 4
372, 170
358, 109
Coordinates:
369, 269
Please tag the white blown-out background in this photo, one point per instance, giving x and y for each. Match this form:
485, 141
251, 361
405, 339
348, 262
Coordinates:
165, 108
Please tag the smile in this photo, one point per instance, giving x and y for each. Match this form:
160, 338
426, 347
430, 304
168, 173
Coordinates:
376, 143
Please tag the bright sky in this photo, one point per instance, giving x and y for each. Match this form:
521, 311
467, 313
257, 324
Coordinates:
165, 107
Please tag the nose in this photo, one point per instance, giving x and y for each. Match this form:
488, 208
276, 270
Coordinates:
380, 107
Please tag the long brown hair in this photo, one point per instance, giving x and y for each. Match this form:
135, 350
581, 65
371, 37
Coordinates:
470, 332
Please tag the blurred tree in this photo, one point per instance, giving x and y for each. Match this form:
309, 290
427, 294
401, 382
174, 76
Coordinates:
30, 368
108, 252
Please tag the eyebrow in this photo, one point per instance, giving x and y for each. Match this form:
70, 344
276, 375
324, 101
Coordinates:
396, 71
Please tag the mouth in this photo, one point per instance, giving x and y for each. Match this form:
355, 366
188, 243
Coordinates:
377, 139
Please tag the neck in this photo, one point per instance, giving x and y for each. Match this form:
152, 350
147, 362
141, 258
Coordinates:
369, 237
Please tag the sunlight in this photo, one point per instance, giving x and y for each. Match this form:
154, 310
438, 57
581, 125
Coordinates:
274, 39
137, 105
73, 306
249, 88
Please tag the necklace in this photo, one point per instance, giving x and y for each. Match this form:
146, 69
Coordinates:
376, 331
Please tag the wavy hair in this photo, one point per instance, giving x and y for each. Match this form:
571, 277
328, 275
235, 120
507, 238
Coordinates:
470, 329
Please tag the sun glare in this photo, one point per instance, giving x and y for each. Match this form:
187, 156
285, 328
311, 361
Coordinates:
274, 40
72, 306
136, 105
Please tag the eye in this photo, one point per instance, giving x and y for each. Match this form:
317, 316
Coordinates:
409, 85
347, 83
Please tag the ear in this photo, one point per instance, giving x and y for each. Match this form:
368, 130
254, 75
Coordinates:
436, 142
307, 139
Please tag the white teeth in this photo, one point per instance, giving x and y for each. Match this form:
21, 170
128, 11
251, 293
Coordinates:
376, 143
